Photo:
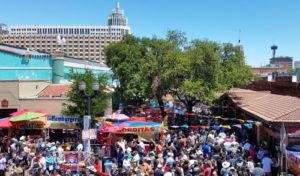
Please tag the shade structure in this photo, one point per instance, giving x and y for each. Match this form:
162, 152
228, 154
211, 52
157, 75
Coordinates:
22, 111
5, 123
42, 119
27, 116
117, 117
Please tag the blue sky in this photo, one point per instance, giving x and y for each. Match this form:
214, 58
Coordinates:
262, 22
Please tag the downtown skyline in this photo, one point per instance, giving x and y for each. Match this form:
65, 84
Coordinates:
261, 23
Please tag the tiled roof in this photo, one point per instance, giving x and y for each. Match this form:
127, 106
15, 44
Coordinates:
290, 117
269, 107
55, 90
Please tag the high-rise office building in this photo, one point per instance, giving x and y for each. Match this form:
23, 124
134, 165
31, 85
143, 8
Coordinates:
81, 42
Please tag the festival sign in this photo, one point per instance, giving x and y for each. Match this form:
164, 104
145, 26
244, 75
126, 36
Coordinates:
138, 127
142, 129
62, 122
89, 134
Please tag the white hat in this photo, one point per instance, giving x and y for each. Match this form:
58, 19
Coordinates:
27, 150
225, 164
22, 138
199, 152
160, 155
170, 154
159, 165
168, 174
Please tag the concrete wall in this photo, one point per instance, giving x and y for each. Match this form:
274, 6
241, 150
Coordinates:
9, 90
31, 88
52, 106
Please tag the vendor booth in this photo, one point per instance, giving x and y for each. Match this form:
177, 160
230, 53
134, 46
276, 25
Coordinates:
62, 128
145, 131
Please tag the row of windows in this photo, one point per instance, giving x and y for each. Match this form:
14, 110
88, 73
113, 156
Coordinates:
54, 38
91, 38
70, 42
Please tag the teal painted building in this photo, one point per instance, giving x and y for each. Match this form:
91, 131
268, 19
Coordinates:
21, 64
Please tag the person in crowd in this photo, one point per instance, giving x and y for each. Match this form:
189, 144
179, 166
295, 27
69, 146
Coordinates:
258, 170
211, 150
2, 165
267, 163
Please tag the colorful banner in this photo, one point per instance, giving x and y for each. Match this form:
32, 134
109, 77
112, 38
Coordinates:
143, 129
62, 122
62, 119
133, 127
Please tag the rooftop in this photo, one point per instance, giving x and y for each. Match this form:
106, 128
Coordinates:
267, 106
21, 51
55, 90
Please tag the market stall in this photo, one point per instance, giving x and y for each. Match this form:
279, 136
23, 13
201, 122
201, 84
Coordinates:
62, 128
145, 131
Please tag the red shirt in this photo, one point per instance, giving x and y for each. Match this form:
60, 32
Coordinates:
207, 171
98, 168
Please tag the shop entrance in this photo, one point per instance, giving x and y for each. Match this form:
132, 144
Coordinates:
6, 112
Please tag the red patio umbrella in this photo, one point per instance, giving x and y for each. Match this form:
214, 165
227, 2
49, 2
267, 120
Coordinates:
5, 123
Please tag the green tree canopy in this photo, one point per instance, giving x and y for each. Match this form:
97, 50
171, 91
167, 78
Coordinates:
125, 59
193, 71
78, 103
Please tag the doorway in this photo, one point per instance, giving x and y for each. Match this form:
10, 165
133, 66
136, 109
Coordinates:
6, 112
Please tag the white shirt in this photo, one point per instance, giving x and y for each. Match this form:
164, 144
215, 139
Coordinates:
122, 145
79, 147
136, 158
142, 145
2, 163
126, 163
250, 166
267, 162
42, 162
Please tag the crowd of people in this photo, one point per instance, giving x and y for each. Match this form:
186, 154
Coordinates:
175, 152
193, 153
36, 157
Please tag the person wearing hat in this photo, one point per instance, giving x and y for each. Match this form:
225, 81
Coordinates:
258, 170
170, 160
206, 169
136, 158
250, 164
158, 171
160, 158
147, 169
267, 164
225, 168
2, 164
126, 162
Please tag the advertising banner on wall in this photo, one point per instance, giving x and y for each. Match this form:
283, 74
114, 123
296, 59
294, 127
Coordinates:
62, 122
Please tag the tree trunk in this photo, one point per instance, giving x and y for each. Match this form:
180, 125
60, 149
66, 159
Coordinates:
161, 106
189, 108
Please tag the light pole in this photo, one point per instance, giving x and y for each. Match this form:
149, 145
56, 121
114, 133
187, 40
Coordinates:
89, 97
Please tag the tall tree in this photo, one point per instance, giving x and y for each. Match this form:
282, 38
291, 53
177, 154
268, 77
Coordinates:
161, 58
235, 72
125, 59
201, 70
77, 105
